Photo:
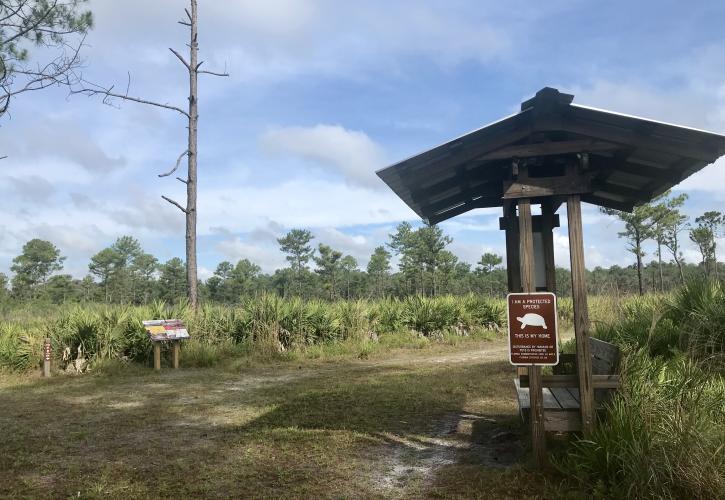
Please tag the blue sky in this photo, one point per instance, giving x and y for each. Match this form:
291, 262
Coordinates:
321, 94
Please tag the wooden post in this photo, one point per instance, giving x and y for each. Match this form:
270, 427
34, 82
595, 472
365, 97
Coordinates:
512, 246
581, 312
547, 239
175, 353
47, 350
157, 356
528, 283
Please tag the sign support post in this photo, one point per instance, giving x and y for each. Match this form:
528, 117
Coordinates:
175, 353
157, 356
47, 350
581, 313
528, 284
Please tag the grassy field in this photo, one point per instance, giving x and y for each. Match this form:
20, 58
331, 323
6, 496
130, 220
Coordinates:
437, 421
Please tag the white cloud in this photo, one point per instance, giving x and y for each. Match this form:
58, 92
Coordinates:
266, 256
348, 152
311, 203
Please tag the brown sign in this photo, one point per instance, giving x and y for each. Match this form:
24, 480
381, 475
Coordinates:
47, 349
533, 329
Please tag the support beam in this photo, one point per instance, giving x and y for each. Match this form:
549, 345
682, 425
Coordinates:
528, 283
536, 222
581, 313
548, 149
511, 226
549, 221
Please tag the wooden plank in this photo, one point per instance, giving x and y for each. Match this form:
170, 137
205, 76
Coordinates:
534, 187
562, 421
598, 381
564, 397
581, 313
476, 144
550, 401
528, 284
604, 350
574, 391
549, 148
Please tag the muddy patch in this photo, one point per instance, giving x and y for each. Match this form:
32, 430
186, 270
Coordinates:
458, 438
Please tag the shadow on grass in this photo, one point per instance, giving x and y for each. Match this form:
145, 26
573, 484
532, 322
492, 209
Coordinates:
347, 431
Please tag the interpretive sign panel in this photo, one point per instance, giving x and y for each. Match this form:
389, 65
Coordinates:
165, 329
533, 329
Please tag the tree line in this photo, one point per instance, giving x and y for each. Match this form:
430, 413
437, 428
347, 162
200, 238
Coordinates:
125, 273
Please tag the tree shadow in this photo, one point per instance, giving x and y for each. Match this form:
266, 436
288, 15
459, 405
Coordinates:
187, 433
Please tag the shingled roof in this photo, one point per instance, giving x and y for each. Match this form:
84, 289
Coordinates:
630, 160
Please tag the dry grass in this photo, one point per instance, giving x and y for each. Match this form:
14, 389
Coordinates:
422, 423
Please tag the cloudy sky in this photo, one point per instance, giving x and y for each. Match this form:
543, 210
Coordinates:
322, 93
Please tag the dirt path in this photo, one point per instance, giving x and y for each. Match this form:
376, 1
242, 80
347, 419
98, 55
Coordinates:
414, 460
408, 424
495, 351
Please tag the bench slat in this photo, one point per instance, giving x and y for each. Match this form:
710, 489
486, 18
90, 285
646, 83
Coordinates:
564, 397
574, 393
562, 421
550, 402
598, 381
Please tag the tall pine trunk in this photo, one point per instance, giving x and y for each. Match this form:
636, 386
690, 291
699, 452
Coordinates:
191, 277
659, 264
639, 267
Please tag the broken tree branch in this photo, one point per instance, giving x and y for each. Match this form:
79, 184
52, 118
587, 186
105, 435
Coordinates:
178, 178
180, 58
175, 204
108, 94
212, 73
178, 161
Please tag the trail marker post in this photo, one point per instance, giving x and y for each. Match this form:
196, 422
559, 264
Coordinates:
47, 354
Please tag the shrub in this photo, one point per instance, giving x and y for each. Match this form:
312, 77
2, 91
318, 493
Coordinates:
265, 325
698, 310
662, 438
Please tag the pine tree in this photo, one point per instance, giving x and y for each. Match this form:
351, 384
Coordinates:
296, 244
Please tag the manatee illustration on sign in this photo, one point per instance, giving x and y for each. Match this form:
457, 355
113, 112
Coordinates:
532, 319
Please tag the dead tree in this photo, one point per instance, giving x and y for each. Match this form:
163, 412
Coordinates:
192, 115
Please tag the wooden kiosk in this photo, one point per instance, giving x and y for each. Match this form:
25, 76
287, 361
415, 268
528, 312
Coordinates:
551, 153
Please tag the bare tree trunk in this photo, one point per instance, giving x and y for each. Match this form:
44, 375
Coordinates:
639, 270
191, 279
714, 256
192, 115
679, 267
659, 264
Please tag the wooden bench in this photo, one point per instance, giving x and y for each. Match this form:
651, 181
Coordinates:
561, 390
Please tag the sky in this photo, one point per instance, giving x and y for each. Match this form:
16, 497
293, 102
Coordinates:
323, 93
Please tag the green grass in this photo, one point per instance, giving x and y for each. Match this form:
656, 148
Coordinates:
663, 436
345, 428
266, 324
